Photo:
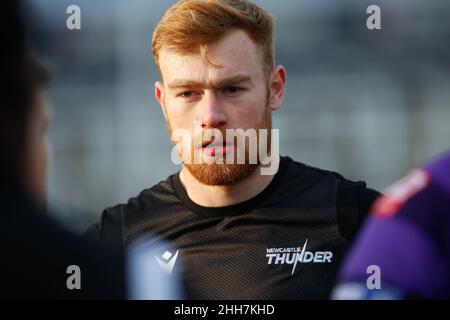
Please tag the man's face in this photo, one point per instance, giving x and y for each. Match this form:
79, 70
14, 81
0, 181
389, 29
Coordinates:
231, 94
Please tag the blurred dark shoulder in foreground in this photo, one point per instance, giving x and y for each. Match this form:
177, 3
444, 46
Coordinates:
37, 253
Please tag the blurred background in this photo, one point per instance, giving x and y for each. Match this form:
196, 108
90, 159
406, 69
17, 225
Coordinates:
369, 104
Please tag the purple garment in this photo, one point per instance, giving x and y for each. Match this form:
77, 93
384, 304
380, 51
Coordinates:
408, 236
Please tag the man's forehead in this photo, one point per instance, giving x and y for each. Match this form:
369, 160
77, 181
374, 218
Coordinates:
188, 70
234, 53
191, 64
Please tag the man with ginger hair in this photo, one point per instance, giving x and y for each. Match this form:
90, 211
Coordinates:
237, 229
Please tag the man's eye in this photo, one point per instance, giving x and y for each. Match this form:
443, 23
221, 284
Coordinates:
232, 89
187, 94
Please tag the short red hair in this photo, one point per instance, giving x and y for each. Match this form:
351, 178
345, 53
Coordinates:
189, 26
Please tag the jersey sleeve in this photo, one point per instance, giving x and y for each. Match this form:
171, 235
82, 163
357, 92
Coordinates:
354, 201
93, 233
109, 230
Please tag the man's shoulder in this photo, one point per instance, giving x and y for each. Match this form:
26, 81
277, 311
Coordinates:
146, 202
299, 169
147, 198
353, 197
346, 187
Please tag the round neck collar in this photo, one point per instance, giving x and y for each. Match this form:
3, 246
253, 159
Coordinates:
233, 209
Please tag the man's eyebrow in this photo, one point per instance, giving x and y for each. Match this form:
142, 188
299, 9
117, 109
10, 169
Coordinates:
238, 79
234, 80
184, 83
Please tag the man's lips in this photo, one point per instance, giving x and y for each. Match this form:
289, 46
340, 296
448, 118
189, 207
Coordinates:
212, 143
212, 148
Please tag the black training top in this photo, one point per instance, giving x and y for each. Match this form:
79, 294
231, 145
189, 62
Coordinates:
285, 243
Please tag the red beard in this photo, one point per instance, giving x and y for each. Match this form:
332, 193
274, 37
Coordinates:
217, 174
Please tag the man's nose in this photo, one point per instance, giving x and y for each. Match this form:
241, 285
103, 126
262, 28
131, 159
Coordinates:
212, 115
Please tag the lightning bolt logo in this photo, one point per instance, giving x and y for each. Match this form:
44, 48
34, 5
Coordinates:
299, 256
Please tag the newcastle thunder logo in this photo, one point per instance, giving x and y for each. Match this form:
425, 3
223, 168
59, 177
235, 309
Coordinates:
296, 255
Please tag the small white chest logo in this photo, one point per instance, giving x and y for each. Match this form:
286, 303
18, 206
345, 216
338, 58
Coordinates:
167, 261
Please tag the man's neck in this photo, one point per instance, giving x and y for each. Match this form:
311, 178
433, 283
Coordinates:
220, 196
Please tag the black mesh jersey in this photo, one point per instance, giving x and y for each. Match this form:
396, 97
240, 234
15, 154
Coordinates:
285, 243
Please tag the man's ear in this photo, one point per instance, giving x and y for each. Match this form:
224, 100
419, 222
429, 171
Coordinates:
277, 86
160, 96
